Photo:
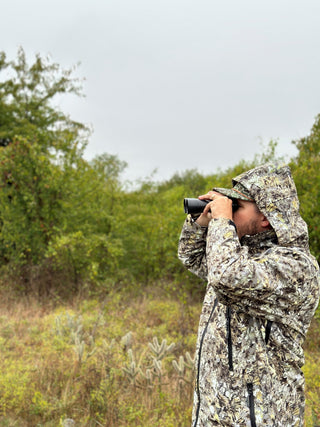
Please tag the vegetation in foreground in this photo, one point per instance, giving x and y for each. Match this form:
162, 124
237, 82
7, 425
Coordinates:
126, 361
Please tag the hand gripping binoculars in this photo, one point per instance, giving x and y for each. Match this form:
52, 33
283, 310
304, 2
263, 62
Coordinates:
196, 206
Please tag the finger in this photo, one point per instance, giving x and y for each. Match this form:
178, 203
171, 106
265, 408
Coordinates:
208, 196
207, 208
205, 197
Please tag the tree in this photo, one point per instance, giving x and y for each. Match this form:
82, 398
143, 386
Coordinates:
26, 103
306, 171
43, 177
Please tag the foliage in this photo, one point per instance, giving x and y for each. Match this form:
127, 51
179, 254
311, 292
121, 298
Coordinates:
306, 169
56, 209
26, 103
30, 201
40, 147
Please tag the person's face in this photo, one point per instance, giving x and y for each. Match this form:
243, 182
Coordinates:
248, 219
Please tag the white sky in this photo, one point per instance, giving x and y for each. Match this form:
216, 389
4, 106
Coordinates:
179, 84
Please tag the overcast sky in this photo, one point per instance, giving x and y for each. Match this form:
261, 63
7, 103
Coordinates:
179, 84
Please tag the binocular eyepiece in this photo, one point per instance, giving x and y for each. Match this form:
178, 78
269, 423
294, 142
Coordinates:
196, 206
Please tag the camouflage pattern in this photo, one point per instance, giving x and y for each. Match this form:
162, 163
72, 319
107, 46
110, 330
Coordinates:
246, 377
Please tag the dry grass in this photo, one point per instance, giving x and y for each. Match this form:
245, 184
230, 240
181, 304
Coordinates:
63, 361
68, 362
312, 373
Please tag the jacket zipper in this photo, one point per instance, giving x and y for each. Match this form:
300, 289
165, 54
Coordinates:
251, 405
268, 330
229, 338
199, 361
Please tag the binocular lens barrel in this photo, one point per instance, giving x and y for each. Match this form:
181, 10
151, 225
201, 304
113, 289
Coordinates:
196, 206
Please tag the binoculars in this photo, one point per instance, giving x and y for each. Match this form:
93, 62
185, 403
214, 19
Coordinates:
196, 206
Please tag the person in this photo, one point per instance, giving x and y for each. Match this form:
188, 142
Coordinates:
262, 292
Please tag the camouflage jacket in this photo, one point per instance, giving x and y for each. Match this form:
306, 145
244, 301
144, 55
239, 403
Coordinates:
261, 295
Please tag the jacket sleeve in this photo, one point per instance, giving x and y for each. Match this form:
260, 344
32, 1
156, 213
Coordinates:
192, 248
273, 285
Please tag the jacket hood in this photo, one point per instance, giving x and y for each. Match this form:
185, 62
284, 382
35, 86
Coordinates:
274, 191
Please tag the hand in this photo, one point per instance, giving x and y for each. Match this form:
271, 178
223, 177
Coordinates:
219, 207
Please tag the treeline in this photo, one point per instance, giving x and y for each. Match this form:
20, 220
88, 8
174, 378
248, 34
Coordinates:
68, 224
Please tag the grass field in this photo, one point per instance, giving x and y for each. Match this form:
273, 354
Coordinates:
124, 361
